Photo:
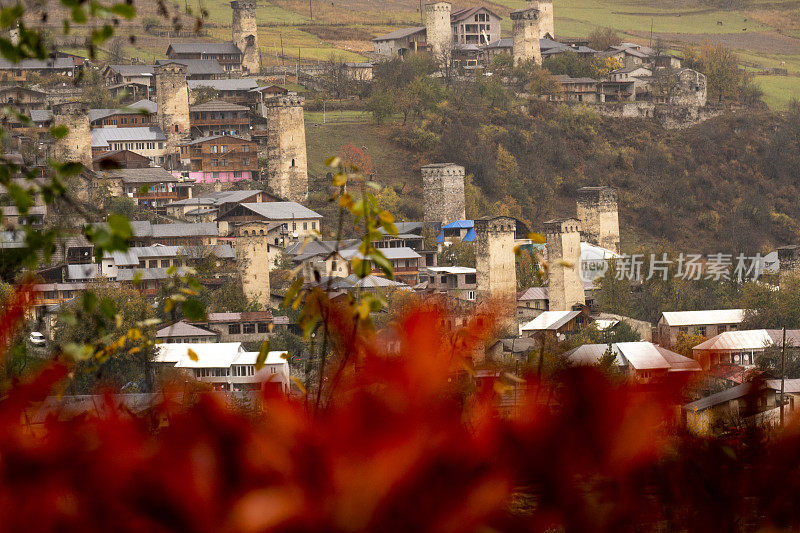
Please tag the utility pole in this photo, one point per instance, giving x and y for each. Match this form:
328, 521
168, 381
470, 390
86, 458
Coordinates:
283, 62
651, 32
783, 369
421, 15
310, 11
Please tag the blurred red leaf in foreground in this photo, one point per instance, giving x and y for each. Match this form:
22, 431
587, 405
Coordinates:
399, 446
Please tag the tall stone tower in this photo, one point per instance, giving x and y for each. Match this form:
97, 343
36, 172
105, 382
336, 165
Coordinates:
495, 264
172, 99
252, 262
77, 144
443, 192
526, 30
287, 167
245, 34
563, 257
598, 212
546, 22
439, 33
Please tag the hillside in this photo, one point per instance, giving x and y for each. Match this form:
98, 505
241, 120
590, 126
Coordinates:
727, 185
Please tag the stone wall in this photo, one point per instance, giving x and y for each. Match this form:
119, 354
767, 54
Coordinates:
671, 116
546, 22
789, 260
245, 34
690, 89
495, 264
526, 31
598, 211
77, 144
287, 166
438, 30
172, 99
443, 193
253, 261
563, 257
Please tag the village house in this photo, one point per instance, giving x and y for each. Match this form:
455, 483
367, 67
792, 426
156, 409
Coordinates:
147, 141
152, 187
20, 72
457, 282
212, 203
406, 263
753, 403
220, 158
704, 323
235, 91
226, 53
146, 233
218, 117
742, 348
335, 286
576, 89
300, 221
162, 256
138, 114
182, 332
226, 366
252, 327
199, 69
557, 324
321, 258
22, 99
643, 362
117, 159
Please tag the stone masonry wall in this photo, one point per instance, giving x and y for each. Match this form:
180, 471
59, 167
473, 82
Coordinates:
287, 166
546, 22
439, 33
563, 257
245, 34
495, 264
252, 261
789, 259
77, 145
526, 31
598, 212
172, 99
443, 193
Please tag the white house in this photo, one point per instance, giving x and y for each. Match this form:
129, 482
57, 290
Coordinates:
226, 365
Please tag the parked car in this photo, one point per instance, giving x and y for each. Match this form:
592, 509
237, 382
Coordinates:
37, 339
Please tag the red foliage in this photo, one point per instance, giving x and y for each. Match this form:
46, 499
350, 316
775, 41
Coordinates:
353, 156
398, 447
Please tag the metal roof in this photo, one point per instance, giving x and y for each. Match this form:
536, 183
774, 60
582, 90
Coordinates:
41, 115
739, 391
389, 253
145, 274
642, 355
749, 339
399, 34
213, 137
134, 255
59, 63
83, 272
197, 67
242, 84
281, 210
550, 320
533, 293
201, 47
590, 354
452, 270
132, 70
789, 385
103, 136
217, 105
177, 229
142, 175
182, 329
460, 224
700, 318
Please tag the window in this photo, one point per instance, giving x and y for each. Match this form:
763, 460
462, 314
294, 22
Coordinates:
701, 330
215, 162
245, 160
245, 148
314, 224
305, 225
470, 295
294, 225
249, 328
234, 329
292, 163
263, 327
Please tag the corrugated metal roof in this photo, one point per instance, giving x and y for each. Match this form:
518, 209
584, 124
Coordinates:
143, 175
789, 385
177, 229
281, 210
202, 47
390, 253
58, 63
197, 67
399, 34
590, 354
41, 115
749, 339
101, 137
182, 329
550, 320
133, 255
534, 293
706, 317
83, 272
452, 270
211, 138
243, 84
739, 391
642, 355
217, 105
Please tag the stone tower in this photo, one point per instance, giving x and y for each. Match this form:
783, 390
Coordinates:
563, 257
252, 262
245, 34
526, 30
443, 192
789, 263
599, 215
172, 100
438, 31
546, 22
495, 264
77, 144
287, 169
